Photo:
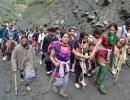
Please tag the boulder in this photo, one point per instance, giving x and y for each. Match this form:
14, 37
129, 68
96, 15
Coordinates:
107, 2
75, 12
100, 24
106, 23
125, 11
85, 14
91, 17
104, 2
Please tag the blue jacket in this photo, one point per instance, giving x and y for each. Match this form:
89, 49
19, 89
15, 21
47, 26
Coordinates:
6, 35
1, 32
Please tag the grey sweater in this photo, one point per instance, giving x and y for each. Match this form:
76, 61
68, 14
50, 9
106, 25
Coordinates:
22, 57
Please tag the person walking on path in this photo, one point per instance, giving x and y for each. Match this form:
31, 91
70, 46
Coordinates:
107, 42
60, 58
50, 37
22, 60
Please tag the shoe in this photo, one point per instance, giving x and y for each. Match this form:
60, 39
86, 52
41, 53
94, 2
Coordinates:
55, 89
102, 90
62, 93
89, 74
77, 86
40, 62
4, 58
28, 88
72, 70
93, 71
21, 80
83, 83
113, 72
48, 72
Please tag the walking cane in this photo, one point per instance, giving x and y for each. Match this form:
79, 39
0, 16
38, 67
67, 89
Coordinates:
83, 74
49, 84
119, 65
82, 67
16, 87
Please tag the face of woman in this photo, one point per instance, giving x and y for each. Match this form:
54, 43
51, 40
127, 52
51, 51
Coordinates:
85, 39
65, 38
112, 30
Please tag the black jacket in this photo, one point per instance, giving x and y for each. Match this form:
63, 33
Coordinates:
47, 41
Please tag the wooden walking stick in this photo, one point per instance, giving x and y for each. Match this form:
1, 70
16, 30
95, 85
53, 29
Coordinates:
16, 87
82, 67
119, 65
50, 81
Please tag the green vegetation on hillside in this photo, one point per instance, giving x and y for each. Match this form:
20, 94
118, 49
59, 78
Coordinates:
20, 1
6, 11
34, 1
35, 9
37, 13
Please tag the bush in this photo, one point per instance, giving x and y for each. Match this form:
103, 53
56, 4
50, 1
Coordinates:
20, 1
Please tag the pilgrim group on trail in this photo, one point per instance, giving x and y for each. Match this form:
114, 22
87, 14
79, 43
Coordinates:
64, 52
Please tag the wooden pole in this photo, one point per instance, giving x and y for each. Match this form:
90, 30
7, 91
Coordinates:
16, 87
119, 64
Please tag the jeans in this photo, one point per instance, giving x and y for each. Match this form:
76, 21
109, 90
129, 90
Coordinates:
78, 72
47, 61
62, 82
36, 48
28, 74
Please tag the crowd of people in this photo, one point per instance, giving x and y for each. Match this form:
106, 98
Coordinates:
65, 52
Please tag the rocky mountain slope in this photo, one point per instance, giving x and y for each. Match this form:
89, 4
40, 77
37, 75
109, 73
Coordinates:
83, 14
